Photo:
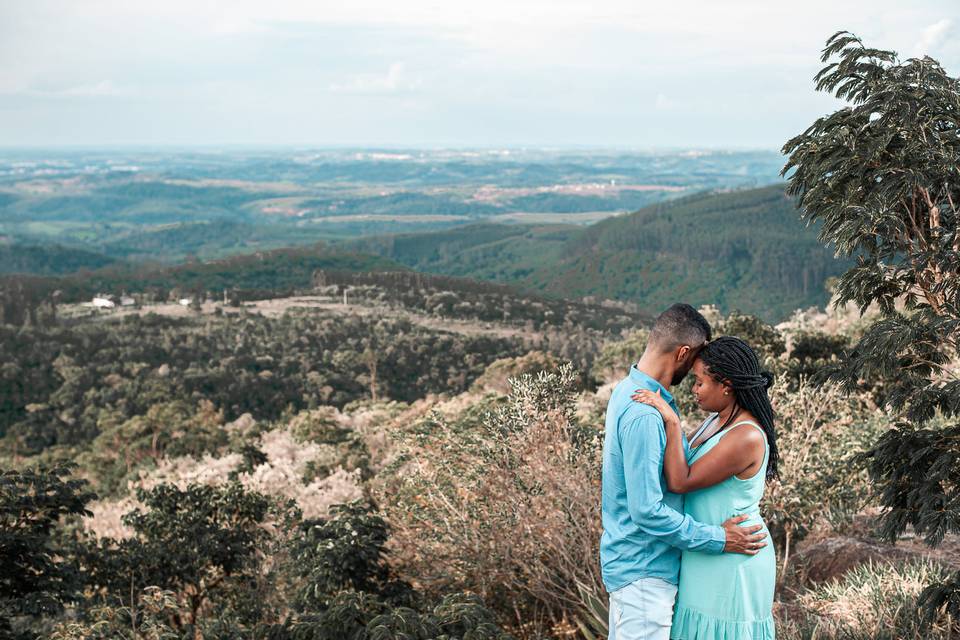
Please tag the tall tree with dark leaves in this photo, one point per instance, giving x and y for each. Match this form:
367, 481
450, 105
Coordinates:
36, 577
882, 176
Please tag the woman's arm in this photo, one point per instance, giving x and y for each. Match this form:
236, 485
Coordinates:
734, 454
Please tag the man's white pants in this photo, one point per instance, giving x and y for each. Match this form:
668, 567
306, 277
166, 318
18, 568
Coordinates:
642, 610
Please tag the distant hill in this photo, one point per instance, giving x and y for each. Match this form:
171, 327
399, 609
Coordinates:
499, 252
743, 250
49, 259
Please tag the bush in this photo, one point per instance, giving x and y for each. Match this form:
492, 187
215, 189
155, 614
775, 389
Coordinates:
616, 358
812, 351
507, 507
763, 338
820, 431
871, 602
204, 544
148, 620
343, 553
361, 616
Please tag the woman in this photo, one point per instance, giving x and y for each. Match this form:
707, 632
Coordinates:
727, 596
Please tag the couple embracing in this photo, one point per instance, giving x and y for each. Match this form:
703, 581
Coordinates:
684, 551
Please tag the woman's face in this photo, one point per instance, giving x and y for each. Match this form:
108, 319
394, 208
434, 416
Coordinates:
708, 392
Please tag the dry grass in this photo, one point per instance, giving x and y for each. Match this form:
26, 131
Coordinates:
871, 601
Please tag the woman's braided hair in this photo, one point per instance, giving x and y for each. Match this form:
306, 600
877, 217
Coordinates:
731, 361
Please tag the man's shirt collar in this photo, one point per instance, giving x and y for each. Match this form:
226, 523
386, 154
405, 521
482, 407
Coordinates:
645, 381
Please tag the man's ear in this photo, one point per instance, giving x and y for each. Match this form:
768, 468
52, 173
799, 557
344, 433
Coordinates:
682, 353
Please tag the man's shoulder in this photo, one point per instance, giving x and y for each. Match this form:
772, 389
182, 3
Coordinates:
639, 414
627, 411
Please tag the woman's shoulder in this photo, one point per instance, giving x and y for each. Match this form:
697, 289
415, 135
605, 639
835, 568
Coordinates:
747, 430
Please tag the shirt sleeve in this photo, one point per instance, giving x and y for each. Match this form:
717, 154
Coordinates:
643, 441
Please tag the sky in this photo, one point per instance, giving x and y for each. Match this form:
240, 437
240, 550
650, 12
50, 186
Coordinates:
637, 74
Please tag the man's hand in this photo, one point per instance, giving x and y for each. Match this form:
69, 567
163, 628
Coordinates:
744, 540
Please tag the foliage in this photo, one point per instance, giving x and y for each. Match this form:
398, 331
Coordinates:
203, 543
820, 431
286, 470
36, 577
750, 251
360, 616
871, 602
882, 179
149, 619
814, 352
167, 429
496, 377
762, 338
506, 507
48, 259
274, 273
74, 383
344, 552
460, 298
616, 358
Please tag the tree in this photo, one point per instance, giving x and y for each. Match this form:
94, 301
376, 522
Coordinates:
203, 543
35, 578
343, 553
882, 178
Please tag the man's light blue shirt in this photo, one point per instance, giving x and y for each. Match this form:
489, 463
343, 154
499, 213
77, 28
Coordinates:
644, 527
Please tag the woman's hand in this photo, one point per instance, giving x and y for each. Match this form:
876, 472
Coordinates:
656, 401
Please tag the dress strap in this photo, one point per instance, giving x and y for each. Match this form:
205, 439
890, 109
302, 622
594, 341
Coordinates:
703, 427
737, 424
766, 445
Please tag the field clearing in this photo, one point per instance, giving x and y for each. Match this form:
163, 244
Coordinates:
587, 217
276, 307
246, 185
389, 217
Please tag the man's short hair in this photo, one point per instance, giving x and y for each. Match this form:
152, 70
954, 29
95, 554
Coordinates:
679, 325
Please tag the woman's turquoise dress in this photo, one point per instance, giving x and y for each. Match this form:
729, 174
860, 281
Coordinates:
727, 596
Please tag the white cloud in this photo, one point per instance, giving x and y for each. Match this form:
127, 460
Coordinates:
393, 81
662, 102
932, 37
499, 71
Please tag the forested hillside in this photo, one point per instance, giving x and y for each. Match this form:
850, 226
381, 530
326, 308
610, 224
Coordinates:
746, 250
743, 250
26, 297
504, 253
49, 259
353, 460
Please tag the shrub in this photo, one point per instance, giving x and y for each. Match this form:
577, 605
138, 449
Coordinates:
616, 357
871, 602
812, 351
507, 507
361, 616
763, 338
342, 553
205, 544
148, 620
820, 431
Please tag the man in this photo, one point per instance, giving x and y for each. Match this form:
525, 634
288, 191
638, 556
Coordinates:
644, 528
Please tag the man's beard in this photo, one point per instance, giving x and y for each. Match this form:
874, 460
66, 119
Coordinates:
678, 376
